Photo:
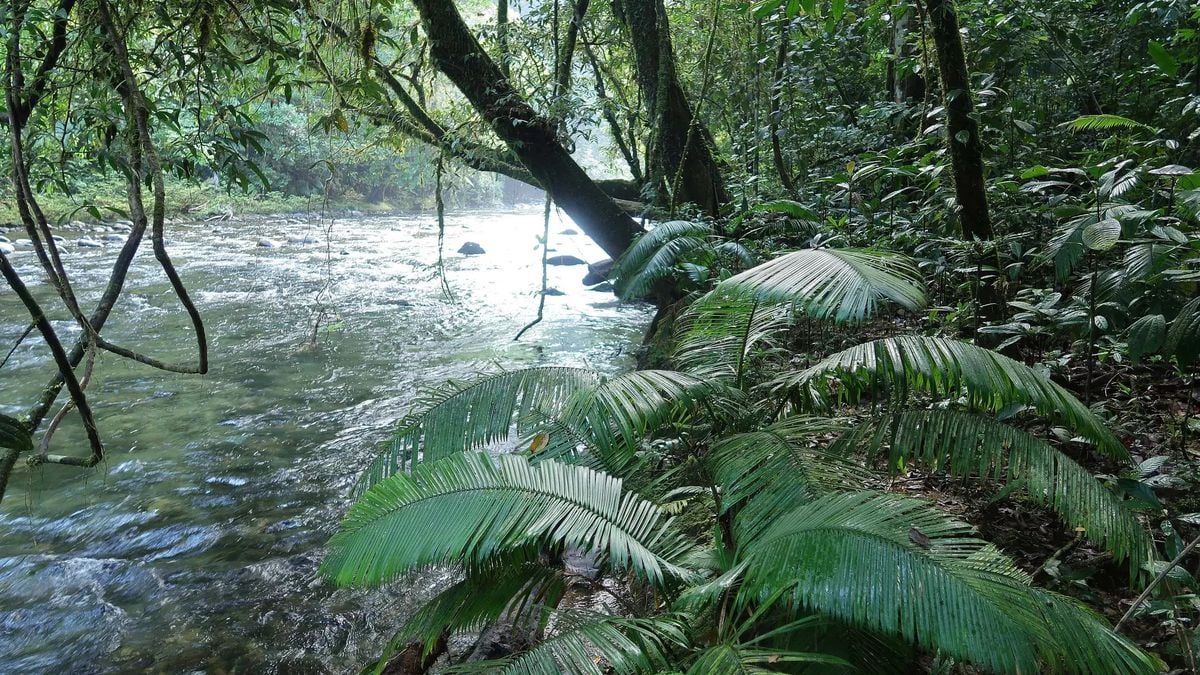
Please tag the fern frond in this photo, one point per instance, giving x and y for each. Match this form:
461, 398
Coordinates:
655, 254
840, 285
473, 415
468, 507
947, 368
623, 645
901, 567
964, 444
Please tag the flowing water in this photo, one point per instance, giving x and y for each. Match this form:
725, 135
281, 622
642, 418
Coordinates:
194, 546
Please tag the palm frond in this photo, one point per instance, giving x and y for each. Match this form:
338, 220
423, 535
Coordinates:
901, 567
964, 444
509, 586
1103, 122
468, 507
738, 659
623, 645
618, 412
718, 333
655, 254
841, 285
949, 368
766, 472
472, 415
1183, 338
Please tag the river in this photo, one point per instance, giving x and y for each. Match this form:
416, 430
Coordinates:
194, 546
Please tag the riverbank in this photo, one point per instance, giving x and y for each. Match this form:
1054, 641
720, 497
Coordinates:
104, 200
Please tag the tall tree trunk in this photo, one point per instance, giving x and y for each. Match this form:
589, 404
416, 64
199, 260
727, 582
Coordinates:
671, 115
910, 86
532, 138
966, 150
776, 115
502, 34
966, 155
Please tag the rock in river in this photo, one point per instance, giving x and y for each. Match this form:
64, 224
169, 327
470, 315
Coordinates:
553, 292
471, 248
598, 271
88, 243
6, 248
565, 260
268, 243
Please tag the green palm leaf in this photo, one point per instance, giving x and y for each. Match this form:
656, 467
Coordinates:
965, 444
624, 645
841, 285
766, 472
943, 367
469, 507
615, 414
515, 586
738, 659
1104, 122
473, 415
899, 566
719, 333
655, 254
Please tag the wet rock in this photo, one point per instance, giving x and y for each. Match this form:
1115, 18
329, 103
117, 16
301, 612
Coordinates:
59, 238
605, 287
569, 232
471, 248
23, 242
552, 292
5, 240
113, 237
304, 239
598, 271
77, 225
565, 260
268, 243
7, 248
88, 243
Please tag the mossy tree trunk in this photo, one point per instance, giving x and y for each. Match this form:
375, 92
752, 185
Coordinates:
672, 118
966, 150
966, 155
531, 137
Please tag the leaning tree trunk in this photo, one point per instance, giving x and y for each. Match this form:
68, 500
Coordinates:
966, 150
672, 119
532, 138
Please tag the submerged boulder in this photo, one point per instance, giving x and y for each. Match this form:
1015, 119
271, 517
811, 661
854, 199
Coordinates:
88, 243
598, 272
471, 248
6, 248
268, 243
565, 260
